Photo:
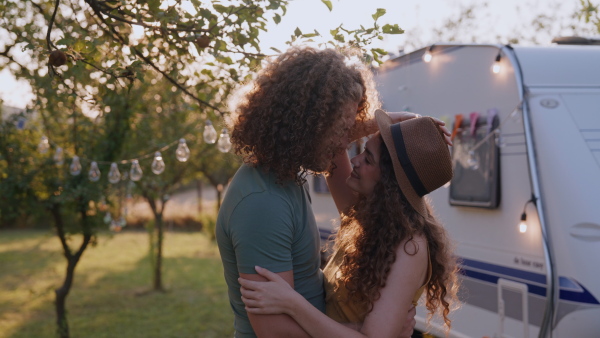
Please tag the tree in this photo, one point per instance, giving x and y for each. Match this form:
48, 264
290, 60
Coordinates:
91, 74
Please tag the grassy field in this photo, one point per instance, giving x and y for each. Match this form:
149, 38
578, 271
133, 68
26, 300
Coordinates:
109, 297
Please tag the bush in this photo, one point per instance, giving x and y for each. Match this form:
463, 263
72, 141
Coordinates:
209, 223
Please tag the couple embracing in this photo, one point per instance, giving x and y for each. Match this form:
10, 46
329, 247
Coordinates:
301, 113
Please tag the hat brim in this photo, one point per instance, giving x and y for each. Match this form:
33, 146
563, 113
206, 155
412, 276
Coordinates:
384, 122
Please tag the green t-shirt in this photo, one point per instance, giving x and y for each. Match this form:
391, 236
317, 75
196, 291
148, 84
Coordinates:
273, 226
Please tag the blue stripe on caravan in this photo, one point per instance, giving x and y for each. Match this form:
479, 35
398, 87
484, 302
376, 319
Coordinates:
570, 289
530, 276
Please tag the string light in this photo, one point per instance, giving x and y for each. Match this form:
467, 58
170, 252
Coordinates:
224, 143
210, 134
496, 67
75, 167
183, 152
523, 222
44, 145
135, 173
158, 165
94, 173
59, 158
114, 176
427, 57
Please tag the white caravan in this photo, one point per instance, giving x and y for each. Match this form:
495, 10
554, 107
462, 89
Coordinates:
524, 204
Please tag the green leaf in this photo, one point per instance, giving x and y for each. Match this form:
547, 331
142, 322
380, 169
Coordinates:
392, 29
378, 51
380, 12
275, 49
328, 4
297, 32
277, 18
220, 8
339, 38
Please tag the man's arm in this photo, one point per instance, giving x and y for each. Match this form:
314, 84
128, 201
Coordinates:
267, 326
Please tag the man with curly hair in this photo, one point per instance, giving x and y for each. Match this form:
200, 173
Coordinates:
302, 109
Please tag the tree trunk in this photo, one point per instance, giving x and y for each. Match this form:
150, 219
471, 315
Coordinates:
72, 260
157, 280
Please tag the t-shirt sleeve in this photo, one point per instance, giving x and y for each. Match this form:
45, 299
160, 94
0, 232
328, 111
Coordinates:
262, 233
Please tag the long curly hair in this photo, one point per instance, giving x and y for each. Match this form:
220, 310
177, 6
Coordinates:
371, 231
290, 121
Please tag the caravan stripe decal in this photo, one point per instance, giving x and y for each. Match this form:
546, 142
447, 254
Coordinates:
570, 289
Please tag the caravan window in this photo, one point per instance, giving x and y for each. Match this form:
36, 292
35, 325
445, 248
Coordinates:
476, 181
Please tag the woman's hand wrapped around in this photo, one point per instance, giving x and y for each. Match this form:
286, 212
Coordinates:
274, 296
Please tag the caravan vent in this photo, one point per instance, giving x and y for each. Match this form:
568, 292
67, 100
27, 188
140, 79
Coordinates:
576, 40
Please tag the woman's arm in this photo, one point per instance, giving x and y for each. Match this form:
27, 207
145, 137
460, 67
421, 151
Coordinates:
276, 296
369, 127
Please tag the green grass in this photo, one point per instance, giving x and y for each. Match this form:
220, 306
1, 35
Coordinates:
109, 296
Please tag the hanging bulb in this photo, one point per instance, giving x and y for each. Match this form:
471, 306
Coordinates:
499, 139
44, 145
107, 218
183, 152
75, 167
122, 222
224, 143
114, 176
158, 165
59, 158
523, 223
94, 173
472, 161
210, 134
496, 66
427, 57
135, 173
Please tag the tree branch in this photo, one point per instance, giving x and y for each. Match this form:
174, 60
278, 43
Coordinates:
50, 23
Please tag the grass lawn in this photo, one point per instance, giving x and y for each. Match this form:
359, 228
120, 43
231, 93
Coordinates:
108, 297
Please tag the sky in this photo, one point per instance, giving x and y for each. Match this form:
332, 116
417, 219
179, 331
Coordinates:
416, 17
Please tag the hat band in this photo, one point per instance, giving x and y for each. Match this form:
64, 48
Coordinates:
405, 162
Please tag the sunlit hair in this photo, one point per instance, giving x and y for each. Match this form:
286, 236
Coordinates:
371, 231
290, 121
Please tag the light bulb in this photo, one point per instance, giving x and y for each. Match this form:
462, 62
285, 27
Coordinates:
183, 152
75, 167
114, 176
59, 158
427, 56
122, 222
94, 173
135, 173
158, 165
472, 161
496, 67
523, 223
44, 145
210, 134
224, 143
499, 139
107, 218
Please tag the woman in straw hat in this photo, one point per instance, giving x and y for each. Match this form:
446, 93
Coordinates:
389, 249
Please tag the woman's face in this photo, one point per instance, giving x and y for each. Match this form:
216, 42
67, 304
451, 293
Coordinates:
366, 172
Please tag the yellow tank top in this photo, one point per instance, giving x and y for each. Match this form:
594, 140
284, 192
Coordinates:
336, 305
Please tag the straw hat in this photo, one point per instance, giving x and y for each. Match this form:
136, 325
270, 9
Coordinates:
419, 154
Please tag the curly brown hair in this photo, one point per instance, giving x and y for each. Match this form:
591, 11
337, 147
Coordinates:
371, 231
290, 121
